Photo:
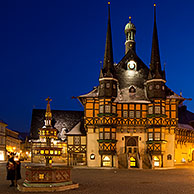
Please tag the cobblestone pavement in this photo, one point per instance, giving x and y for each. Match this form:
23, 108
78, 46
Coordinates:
113, 181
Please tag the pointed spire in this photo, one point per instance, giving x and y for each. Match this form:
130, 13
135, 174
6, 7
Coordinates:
48, 114
155, 65
108, 54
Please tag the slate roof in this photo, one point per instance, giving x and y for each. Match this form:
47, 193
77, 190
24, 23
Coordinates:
78, 129
61, 119
185, 117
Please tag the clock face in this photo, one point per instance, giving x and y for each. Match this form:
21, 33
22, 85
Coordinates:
131, 65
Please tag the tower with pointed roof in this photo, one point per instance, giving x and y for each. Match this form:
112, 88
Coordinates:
131, 118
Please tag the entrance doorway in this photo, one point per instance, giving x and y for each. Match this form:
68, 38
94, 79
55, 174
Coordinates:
132, 151
132, 162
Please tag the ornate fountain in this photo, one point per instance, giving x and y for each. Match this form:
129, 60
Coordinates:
47, 178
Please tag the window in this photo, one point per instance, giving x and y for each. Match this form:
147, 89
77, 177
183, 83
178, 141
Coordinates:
100, 135
163, 110
156, 161
113, 135
131, 114
101, 109
150, 136
77, 140
107, 135
125, 114
137, 114
157, 136
107, 108
107, 85
157, 87
102, 85
157, 109
150, 110
169, 157
114, 109
114, 86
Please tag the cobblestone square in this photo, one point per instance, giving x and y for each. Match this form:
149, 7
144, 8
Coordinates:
113, 181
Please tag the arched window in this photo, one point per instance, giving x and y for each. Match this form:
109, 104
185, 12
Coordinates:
169, 157
131, 142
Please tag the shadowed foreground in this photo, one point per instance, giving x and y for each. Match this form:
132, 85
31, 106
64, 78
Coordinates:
112, 181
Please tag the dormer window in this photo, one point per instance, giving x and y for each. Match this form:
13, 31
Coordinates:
107, 85
132, 89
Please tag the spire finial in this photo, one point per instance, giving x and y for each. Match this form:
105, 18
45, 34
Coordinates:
129, 19
48, 114
108, 54
48, 99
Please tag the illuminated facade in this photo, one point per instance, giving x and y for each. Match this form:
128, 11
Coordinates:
3, 126
132, 118
9, 141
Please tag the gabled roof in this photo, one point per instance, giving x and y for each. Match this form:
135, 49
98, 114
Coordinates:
92, 94
60, 119
78, 129
131, 55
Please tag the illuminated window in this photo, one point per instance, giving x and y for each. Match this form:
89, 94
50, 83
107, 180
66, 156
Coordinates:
150, 110
107, 85
157, 136
132, 162
173, 107
102, 85
46, 151
125, 114
157, 109
101, 109
107, 135
173, 114
114, 86
101, 135
131, 114
150, 136
156, 161
163, 110
106, 160
41, 176
114, 109
107, 108
137, 114
113, 135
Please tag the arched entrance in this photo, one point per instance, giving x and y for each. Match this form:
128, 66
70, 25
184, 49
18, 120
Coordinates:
132, 151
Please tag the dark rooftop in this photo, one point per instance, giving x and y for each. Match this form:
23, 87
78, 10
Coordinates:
61, 120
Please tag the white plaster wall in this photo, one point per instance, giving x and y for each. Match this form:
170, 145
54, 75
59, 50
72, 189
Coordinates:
92, 148
169, 149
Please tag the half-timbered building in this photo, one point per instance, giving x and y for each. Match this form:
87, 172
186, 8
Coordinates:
131, 118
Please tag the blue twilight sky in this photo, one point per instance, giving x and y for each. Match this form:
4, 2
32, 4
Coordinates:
54, 48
